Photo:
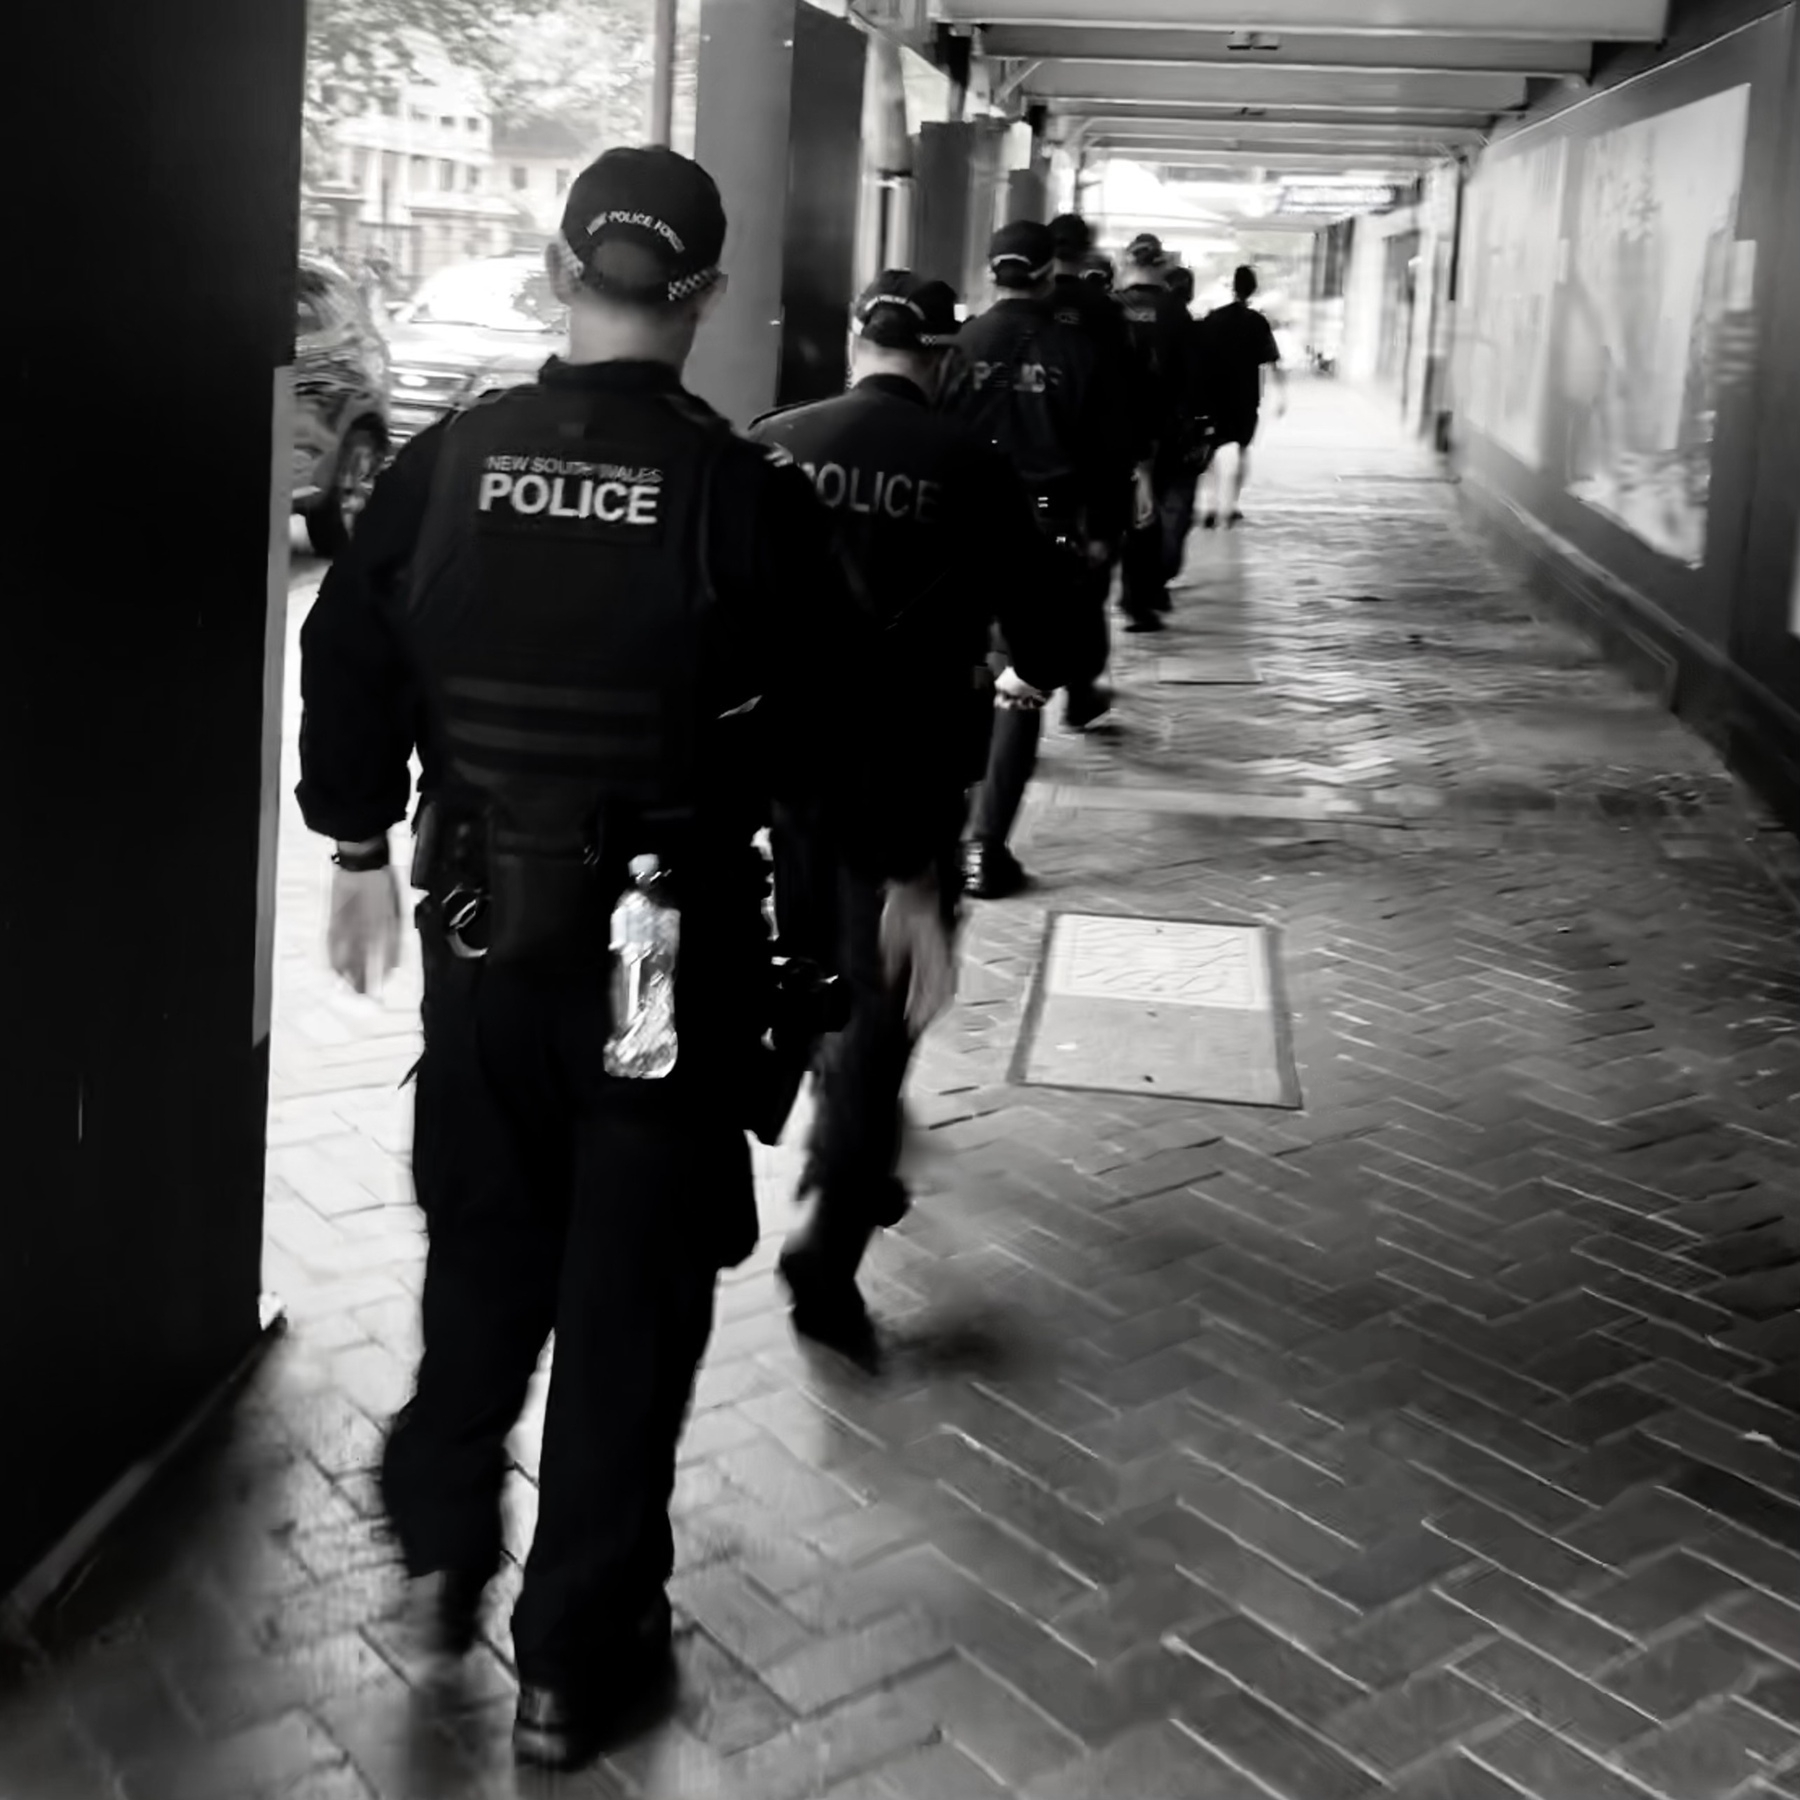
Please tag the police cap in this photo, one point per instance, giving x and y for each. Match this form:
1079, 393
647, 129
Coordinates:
645, 225
1020, 254
1071, 237
902, 311
1145, 251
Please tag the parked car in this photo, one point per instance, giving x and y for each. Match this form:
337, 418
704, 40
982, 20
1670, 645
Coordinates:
341, 434
470, 329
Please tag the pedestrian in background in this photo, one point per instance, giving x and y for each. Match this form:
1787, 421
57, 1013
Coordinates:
1237, 355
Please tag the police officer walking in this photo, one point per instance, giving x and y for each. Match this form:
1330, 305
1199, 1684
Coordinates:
576, 598
1032, 388
940, 538
1084, 305
1181, 490
1159, 326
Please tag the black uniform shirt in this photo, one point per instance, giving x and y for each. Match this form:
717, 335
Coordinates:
1079, 303
932, 520
1236, 344
783, 632
1161, 335
1033, 388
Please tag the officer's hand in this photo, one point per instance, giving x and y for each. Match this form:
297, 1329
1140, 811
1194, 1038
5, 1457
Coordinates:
1144, 501
363, 938
1013, 690
916, 950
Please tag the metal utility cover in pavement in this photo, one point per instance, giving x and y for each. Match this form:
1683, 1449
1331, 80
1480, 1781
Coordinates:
1207, 668
1189, 1009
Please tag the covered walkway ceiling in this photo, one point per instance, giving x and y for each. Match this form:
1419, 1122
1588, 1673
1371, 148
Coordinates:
1289, 86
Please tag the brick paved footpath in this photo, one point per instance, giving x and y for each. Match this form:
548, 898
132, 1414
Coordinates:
1439, 1440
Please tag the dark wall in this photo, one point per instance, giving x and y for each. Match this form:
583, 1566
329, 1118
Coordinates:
824, 188
148, 318
1714, 616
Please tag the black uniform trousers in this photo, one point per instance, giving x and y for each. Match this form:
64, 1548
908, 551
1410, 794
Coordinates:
832, 912
557, 1199
1146, 568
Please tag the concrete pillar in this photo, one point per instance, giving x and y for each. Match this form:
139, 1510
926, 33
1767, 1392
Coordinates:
139, 712
779, 126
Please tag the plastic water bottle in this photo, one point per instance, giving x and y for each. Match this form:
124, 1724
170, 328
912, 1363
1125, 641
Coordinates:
646, 942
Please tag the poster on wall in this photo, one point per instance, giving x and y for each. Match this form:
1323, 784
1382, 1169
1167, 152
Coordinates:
1513, 272
1649, 304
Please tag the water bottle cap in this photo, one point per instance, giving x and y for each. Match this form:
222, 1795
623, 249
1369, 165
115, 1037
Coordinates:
644, 867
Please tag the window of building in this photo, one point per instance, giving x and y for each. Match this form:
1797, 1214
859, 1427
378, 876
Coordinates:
474, 126
359, 166
418, 169
472, 178
446, 177
388, 105
445, 122
563, 178
418, 115
521, 178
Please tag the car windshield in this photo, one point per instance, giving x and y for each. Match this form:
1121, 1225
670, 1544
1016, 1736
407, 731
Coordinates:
506, 295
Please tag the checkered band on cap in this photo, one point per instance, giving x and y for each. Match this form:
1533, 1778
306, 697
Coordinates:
684, 287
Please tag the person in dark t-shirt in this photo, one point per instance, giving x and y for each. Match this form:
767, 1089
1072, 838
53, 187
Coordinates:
1235, 346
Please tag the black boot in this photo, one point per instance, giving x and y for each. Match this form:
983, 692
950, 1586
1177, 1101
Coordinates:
564, 1724
818, 1266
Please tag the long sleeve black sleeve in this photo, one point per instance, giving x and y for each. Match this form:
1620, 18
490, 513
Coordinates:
359, 704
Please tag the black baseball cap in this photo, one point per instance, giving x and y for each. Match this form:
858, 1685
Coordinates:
645, 225
1071, 236
1145, 251
902, 311
1020, 254
1097, 267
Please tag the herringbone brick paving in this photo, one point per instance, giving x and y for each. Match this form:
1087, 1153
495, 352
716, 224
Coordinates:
1439, 1439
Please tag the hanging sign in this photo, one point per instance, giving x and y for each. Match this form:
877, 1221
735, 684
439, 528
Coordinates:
1335, 197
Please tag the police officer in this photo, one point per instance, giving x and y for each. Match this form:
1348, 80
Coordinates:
1086, 307
1159, 327
578, 598
1176, 504
939, 535
1032, 388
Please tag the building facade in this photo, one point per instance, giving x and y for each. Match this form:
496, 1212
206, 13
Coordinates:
412, 176
534, 164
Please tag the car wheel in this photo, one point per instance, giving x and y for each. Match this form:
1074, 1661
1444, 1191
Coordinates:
331, 519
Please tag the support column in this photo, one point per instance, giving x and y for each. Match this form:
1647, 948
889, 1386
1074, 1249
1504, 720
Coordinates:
140, 690
780, 112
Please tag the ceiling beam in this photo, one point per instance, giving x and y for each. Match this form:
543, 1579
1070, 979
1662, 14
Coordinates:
1378, 118
1146, 142
1564, 21
1298, 156
1103, 43
1351, 134
1209, 84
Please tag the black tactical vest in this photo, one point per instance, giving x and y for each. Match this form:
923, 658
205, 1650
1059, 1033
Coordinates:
556, 617
1020, 381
